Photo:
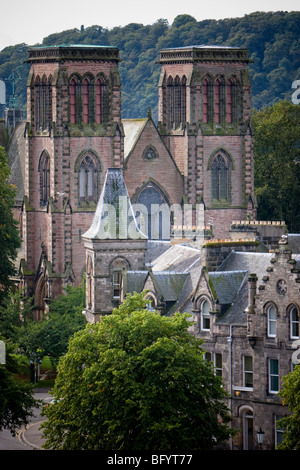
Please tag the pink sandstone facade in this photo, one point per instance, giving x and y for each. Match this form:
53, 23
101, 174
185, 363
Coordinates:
199, 153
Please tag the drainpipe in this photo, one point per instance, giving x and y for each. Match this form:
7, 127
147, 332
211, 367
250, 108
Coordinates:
229, 339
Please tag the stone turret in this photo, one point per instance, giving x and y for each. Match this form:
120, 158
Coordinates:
114, 242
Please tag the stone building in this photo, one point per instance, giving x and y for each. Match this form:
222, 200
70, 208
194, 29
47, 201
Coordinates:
197, 159
247, 312
166, 207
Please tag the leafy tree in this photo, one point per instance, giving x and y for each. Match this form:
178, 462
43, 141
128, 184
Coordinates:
50, 336
15, 309
17, 398
136, 381
277, 163
291, 424
9, 234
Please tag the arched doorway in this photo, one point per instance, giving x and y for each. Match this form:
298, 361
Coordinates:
248, 441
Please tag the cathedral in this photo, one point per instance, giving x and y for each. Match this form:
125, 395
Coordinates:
197, 158
165, 207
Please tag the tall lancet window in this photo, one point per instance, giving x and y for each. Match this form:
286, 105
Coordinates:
220, 172
88, 101
220, 103
75, 101
170, 102
88, 179
44, 172
102, 101
183, 99
207, 100
232, 101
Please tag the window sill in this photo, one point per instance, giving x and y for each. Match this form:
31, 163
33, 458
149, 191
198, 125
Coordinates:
242, 389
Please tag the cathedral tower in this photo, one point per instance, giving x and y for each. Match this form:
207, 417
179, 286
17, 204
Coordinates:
204, 117
73, 134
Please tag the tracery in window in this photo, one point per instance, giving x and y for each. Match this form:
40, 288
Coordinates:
220, 171
150, 153
88, 169
155, 212
44, 172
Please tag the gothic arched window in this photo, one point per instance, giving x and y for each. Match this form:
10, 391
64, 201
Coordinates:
232, 101
294, 322
176, 100
102, 107
183, 99
220, 108
154, 211
88, 101
170, 102
44, 171
207, 98
43, 102
75, 101
220, 172
205, 315
88, 169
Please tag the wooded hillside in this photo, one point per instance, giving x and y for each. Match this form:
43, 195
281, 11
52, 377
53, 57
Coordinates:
273, 40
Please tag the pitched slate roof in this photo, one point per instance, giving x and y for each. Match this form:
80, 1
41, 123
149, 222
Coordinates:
226, 285
246, 261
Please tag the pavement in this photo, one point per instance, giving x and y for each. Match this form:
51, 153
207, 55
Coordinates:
29, 437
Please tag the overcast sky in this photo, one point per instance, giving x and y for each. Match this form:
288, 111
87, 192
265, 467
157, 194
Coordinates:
28, 21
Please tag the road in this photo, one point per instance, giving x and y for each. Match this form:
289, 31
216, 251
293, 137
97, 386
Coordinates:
28, 438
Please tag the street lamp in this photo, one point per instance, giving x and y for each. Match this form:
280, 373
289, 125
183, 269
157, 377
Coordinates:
260, 437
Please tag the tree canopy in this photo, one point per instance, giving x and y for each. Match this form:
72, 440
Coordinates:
290, 394
273, 39
9, 233
277, 163
136, 381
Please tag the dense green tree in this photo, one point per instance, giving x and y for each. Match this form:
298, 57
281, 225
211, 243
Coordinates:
14, 311
50, 336
291, 424
17, 401
136, 381
9, 234
277, 163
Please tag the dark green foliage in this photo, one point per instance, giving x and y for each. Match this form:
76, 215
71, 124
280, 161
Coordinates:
17, 400
291, 424
9, 233
272, 38
136, 381
50, 336
277, 163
